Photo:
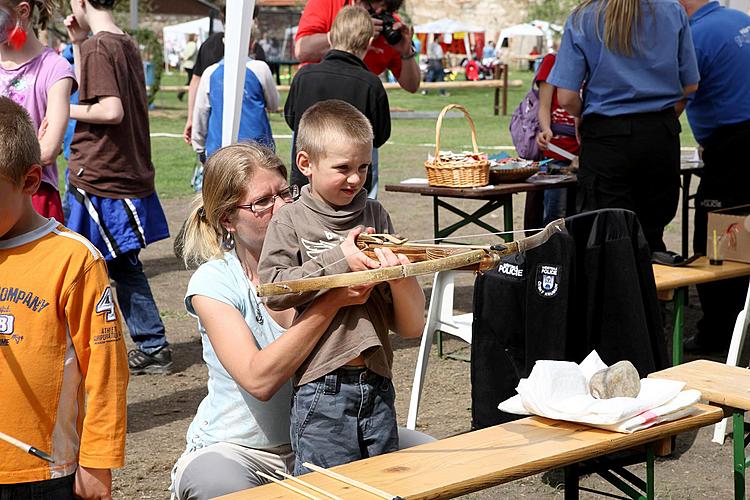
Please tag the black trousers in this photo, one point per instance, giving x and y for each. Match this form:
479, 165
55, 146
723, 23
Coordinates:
50, 489
632, 162
725, 182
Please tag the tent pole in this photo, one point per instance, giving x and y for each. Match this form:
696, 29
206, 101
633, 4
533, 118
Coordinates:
239, 22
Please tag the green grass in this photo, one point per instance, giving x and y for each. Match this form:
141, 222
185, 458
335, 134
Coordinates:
401, 157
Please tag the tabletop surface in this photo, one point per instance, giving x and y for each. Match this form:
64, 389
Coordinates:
700, 271
480, 193
718, 383
483, 458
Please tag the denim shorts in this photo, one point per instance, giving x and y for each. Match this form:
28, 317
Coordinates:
342, 417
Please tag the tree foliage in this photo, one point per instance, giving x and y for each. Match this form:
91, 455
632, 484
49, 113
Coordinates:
554, 11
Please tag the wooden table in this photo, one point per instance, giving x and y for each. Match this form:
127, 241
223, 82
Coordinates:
728, 386
497, 196
496, 455
672, 284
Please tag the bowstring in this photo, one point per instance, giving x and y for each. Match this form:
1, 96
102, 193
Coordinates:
361, 250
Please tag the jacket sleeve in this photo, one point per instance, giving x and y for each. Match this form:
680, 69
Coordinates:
281, 260
289, 105
96, 332
381, 119
201, 111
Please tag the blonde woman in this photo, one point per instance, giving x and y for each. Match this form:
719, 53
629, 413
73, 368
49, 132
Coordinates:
635, 61
242, 425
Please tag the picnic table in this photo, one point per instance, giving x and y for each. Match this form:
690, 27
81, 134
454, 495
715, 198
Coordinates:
726, 386
672, 284
495, 197
488, 457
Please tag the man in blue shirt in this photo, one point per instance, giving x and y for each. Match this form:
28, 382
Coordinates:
719, 115
634, 60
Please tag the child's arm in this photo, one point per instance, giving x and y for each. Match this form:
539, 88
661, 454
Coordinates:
281, 260
105, 111
544, 114
201, 112
58, 108
96, 332
408, 297
270, 92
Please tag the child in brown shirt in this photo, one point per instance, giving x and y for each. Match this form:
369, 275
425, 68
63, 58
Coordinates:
343, 402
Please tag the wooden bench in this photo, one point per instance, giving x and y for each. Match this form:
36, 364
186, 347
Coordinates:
496, 455
728, 386
672, 284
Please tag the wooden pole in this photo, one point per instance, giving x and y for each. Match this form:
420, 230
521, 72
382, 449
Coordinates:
239, 23
351, 482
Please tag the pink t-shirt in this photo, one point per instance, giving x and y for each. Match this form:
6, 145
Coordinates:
28, 86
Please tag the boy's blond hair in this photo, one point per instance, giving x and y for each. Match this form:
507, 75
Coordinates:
19, 146
352, 30
328, 121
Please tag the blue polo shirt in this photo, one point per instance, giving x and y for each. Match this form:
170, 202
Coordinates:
722, 46
650, 80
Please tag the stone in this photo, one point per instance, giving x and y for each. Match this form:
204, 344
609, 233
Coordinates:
619, 380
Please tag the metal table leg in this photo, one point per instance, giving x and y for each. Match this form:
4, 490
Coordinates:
739, 443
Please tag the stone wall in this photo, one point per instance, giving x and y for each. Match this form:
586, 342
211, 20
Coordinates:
492, 15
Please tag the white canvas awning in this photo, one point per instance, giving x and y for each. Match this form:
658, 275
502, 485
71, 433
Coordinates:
447, 26
521, 30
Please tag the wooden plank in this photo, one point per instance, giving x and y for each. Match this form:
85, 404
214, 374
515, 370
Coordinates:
700, 271
480, 84
719, 383
485, 458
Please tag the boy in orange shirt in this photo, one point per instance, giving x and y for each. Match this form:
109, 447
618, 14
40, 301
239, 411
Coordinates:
62, 354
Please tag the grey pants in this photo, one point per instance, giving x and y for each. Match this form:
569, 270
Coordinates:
342, 417
223, 468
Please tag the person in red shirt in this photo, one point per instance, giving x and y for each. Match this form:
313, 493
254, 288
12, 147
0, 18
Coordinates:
558, 128
311, 42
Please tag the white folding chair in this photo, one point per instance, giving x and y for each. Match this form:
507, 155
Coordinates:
733, 357
440, 317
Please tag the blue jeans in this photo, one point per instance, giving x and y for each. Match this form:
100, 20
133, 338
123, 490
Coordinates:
344, 416
555, 204
136, 302
49, 489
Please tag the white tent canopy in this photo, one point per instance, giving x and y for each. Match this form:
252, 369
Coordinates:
446, 25
176, 35
521, 30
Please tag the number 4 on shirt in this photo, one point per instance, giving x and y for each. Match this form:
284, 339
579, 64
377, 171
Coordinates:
107, 306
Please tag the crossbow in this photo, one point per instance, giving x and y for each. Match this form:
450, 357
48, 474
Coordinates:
423, 259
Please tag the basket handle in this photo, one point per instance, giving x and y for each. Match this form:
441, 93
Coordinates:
439, 125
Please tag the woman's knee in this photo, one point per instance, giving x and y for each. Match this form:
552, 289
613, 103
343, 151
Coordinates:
212, 473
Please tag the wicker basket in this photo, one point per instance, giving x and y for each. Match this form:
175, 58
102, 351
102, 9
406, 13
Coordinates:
451, 173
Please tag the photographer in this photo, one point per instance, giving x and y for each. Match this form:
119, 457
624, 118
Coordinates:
398, 55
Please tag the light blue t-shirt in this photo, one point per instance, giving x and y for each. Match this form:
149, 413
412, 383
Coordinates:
722, 46
229, 413
651, 80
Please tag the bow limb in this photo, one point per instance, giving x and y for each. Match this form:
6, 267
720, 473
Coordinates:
482, 258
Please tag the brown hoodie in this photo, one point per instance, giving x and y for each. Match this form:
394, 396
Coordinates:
303, 240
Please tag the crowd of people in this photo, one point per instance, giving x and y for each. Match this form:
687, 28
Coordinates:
304, 377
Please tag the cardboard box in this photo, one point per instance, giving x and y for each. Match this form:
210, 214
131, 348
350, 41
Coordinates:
732, 227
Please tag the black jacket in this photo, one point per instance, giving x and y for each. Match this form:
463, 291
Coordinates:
588, 287
340, 75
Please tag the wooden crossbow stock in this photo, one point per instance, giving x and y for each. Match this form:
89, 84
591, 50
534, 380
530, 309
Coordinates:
423, 258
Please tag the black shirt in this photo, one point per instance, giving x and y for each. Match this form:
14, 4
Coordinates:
210, 52
340, 75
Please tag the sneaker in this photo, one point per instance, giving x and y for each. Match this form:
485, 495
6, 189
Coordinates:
159, 362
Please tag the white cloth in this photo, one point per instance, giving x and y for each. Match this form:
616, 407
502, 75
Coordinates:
559, 390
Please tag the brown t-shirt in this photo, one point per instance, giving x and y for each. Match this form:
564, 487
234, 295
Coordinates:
304, 239
113, 161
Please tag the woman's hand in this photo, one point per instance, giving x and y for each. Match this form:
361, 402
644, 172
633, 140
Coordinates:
76, 34
543, 138
387, 258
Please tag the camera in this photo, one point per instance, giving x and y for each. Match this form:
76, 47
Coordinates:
391, 36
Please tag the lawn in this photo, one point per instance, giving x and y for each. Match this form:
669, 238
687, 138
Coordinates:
411, 139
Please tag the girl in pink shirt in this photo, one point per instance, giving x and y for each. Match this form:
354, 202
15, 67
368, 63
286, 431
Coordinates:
41, 81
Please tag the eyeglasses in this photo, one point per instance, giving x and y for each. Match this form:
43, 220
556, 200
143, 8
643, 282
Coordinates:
266, 203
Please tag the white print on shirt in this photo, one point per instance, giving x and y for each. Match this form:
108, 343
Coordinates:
510, 269
547, 280
106, 305
744, 37
315, 248
6, 324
